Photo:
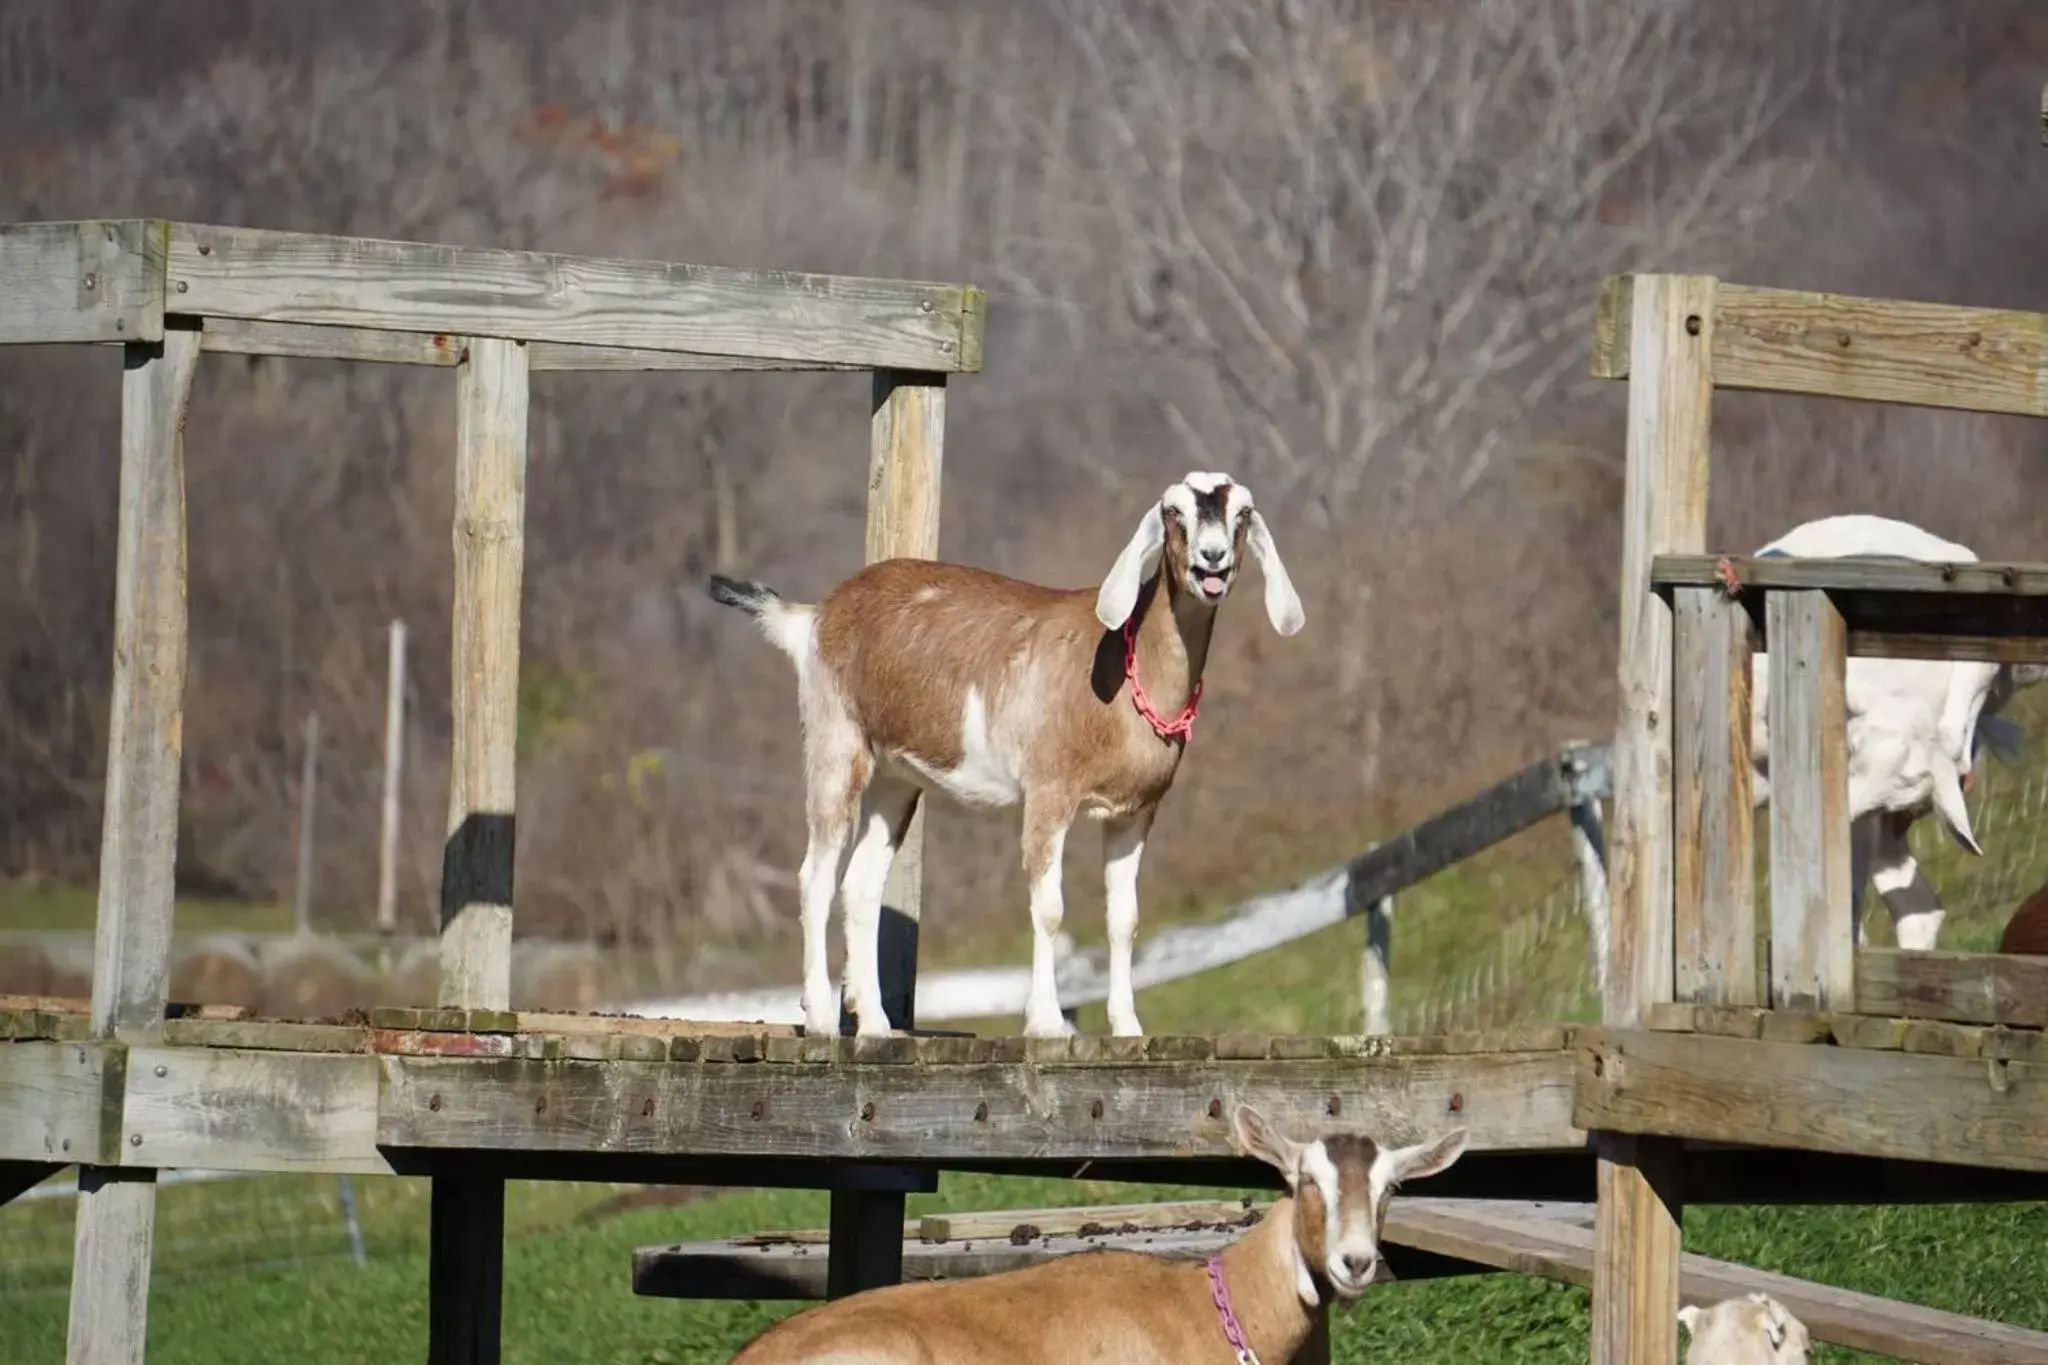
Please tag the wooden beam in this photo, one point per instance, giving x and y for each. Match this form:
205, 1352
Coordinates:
139, 834
1665, 508
1973, 988
466, 1231
312, 341
229, 1110
1714, 908
1969, 1111
906, 457
221, 272
51, 1103
490, 515
84, 281
1813, 948
919, 1113
1636, 1251
1839, 346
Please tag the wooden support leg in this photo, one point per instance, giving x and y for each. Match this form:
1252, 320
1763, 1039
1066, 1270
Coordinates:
1635, 1251
467, 1228
1813, 945
138, 840
906, 448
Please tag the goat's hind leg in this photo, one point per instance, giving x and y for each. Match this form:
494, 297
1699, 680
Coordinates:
885, 813
836, 770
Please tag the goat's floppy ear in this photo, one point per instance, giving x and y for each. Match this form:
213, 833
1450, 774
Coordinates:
1138, 562
1260, 1139
1426, 1158
1689, 1316
1948, 802
1283, 603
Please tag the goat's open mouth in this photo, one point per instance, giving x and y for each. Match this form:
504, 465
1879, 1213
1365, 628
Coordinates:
1212, 585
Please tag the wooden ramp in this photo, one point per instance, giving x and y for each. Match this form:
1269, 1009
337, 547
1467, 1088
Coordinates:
1426, 1238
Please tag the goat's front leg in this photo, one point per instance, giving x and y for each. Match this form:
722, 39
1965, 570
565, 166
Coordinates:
1045, 841
1123, 846
886, 809
1916, 910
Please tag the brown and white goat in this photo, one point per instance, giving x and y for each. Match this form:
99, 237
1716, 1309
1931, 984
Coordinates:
918, 675
1754, 1329
1317, 1245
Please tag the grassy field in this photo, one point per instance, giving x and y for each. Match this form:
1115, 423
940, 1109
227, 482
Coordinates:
254, 1271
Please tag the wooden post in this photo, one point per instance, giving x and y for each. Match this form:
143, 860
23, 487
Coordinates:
905, 455
139, 830
394, 764
309, 784
1813, 948
1714, 908
467, 1230
1636, 1245
1670, 398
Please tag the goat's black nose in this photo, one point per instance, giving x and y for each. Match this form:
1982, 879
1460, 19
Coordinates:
1212, 557
1356, 1266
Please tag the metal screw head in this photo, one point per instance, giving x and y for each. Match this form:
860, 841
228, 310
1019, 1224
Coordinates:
184, 286
434, 1103
135, 1139
162, 1071
924, 307
92, 281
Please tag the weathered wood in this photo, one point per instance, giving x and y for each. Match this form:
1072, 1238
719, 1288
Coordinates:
1714, 905
394, 765
1089, 1220
530, 296
1965, 1111
1665, 511
231, 1110
266, 1035
490, 511
1978, 988
1636, 1240
1839, 346
50, 1102
139, 827
1894, 608
99, 280
110, 1258
1813, 950
312, 341
931, 1113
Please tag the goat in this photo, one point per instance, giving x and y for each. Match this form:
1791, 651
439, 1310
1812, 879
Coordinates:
921, 675
1317, 1244
2027, 931
1914, 730
1753, 1330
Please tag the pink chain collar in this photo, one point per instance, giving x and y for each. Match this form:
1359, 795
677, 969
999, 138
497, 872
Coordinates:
1183, 724
1232, 1333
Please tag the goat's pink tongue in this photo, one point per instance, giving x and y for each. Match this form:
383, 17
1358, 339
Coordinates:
1213, 584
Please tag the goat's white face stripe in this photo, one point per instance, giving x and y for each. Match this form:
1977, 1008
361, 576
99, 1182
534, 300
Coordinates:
1212, 542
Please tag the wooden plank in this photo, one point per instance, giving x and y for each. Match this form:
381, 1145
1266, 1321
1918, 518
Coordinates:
1963, 1111
490, 513
97, 280
1841, 346
1848, 574
1813, 949
108, 1322
1636, 1251
1558, 1249
50, 1102
1089, 1220
312, 341
233, 1110
921, 1114
1978, 988
221, 272
267, 1035
1894, 608
1714, 904
1664, 511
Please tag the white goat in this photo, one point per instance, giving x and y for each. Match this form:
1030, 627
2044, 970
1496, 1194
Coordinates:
1318, 1244
1914, 729
918, 675
1753, 1330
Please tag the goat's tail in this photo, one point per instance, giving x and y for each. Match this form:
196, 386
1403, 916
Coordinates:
786, 624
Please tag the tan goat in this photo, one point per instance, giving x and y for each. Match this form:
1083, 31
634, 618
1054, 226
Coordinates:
1256, 1302
1753, 1330
916, 675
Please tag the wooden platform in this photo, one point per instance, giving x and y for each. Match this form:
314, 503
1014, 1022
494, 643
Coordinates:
1425, 1238
395, 1090
1905, 1089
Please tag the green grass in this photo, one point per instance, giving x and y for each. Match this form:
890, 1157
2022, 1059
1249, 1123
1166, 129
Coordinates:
568, 1301
72, 909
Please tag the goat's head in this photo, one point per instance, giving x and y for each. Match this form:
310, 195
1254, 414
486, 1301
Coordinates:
1752, 1330
1341, 1183
1196, 537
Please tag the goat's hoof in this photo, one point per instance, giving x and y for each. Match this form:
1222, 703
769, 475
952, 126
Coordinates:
1057, 1028
1129, 1028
